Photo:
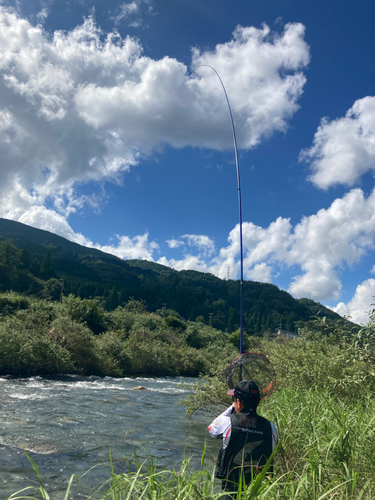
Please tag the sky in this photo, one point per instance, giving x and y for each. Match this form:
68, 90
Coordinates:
115, 133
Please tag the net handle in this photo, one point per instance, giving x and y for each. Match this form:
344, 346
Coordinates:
256, 354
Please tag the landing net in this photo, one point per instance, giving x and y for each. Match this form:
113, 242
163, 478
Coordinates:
254, 367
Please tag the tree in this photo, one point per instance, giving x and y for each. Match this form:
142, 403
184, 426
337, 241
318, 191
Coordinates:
233, 319
52, 289
25, 258
45, 269
113, 300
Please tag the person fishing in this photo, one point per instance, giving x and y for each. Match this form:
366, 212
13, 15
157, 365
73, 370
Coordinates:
248, 438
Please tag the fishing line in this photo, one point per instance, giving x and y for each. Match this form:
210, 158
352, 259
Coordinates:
239, 189
252, 366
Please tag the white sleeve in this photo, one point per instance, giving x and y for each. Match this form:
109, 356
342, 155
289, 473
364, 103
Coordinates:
221, 426
275, 437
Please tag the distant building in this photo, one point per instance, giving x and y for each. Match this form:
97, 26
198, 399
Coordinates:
285, 333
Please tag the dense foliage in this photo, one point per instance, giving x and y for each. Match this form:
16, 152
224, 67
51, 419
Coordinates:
40, 337
41, 263
326, 358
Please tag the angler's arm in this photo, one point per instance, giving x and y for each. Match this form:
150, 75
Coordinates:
221, 426
275, 437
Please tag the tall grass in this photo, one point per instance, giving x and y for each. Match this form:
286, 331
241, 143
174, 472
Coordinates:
326, 451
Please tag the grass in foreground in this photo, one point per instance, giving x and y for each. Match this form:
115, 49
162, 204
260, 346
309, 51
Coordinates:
326, 451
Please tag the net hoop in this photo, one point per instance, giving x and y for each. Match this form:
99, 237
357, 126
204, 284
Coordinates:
269, 388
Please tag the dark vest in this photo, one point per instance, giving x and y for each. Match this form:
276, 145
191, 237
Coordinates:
250, 446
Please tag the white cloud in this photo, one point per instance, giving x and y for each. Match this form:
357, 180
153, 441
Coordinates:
137, 247
43, 14
126, 10
202, 242
188, 262
42, 218
344, 149
261, 272
174, 243
360, 305
325, 242
82, 106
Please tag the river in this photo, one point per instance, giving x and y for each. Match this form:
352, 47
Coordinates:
69, 423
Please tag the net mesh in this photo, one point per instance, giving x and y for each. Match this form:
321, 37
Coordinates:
255, 367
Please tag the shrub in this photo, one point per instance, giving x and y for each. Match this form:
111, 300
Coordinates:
147, 321
86, 311
122, 320
199, 335
189, 361
113, 359
11, 302
234, 339
175, 323
27, 349
149, 357
79, 341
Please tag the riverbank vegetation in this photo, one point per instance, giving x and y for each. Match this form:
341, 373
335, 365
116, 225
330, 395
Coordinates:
323, 407
42, 337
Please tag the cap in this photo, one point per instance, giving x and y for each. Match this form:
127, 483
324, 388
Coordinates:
246, 391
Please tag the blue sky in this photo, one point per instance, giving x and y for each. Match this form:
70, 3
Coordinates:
97, 147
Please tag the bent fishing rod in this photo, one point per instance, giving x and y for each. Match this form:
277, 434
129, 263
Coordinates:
239, 189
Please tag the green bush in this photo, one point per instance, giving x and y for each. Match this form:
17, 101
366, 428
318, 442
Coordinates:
113, 359
175, 323
189, 361
86, 311
122, 320
147, 321
199, 335
12, 302
79, 341
149, 357
27, 348
234, 339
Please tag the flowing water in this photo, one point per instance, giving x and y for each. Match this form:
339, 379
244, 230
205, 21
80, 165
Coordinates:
69, 423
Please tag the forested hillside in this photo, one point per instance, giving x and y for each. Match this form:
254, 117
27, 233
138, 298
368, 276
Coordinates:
40, 263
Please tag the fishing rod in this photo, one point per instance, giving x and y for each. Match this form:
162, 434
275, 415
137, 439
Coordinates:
239, 190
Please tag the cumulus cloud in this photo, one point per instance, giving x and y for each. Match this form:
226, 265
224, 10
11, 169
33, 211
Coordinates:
193, 262
138, 247
319, 247
82, 106
344, 149
260, 272
361, 304
43, 14
200, 241
42, 218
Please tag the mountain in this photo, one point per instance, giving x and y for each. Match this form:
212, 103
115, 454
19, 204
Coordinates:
46, 258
